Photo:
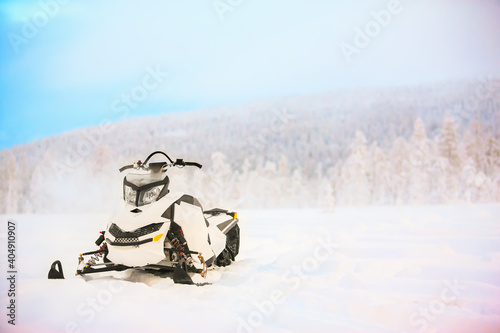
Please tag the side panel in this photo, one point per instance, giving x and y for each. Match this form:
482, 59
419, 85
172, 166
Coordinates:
192, 221
217, 238
224, 222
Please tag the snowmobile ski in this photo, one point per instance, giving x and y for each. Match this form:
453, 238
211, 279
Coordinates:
56, 273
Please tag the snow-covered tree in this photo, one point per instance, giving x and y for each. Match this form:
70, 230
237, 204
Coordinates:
473, 143
327, 199
354, 176
269, 180
379, 176
4, 180
419, 161
492, 156
38, 200
12, 184
448, 143
401, 170
220, 179
298, 188
450, 157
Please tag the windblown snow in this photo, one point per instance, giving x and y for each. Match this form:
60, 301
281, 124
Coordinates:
369, 269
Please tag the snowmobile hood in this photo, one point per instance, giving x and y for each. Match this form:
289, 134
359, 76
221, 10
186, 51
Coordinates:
132, 217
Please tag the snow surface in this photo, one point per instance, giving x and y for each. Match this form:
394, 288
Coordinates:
370, 269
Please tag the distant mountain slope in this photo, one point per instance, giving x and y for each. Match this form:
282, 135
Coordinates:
298, 151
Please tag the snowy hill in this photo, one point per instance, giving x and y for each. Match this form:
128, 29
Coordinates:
370, 269
418, 145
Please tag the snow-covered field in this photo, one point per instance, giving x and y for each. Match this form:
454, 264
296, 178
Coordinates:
371, 269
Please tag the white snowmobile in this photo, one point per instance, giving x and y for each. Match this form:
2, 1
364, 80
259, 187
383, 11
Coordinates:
159, 231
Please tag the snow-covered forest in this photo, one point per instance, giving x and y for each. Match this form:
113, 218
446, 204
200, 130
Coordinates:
412, 145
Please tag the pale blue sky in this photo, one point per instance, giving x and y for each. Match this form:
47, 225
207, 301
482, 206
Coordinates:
87, 54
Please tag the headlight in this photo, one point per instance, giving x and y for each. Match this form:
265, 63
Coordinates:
150, 195
130, 195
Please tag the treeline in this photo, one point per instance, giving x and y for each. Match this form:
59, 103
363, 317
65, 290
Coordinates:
433, 144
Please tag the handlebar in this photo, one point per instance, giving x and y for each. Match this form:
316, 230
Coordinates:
180, 162
123, 168
198, 165
157, 152
144, 166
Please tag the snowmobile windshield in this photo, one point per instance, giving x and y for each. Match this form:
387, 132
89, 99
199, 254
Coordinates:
141, 180
143, 189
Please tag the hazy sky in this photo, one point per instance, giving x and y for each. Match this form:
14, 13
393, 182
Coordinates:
66, 66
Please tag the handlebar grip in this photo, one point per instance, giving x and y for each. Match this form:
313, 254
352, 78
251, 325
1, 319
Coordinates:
198, 165
130, 166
